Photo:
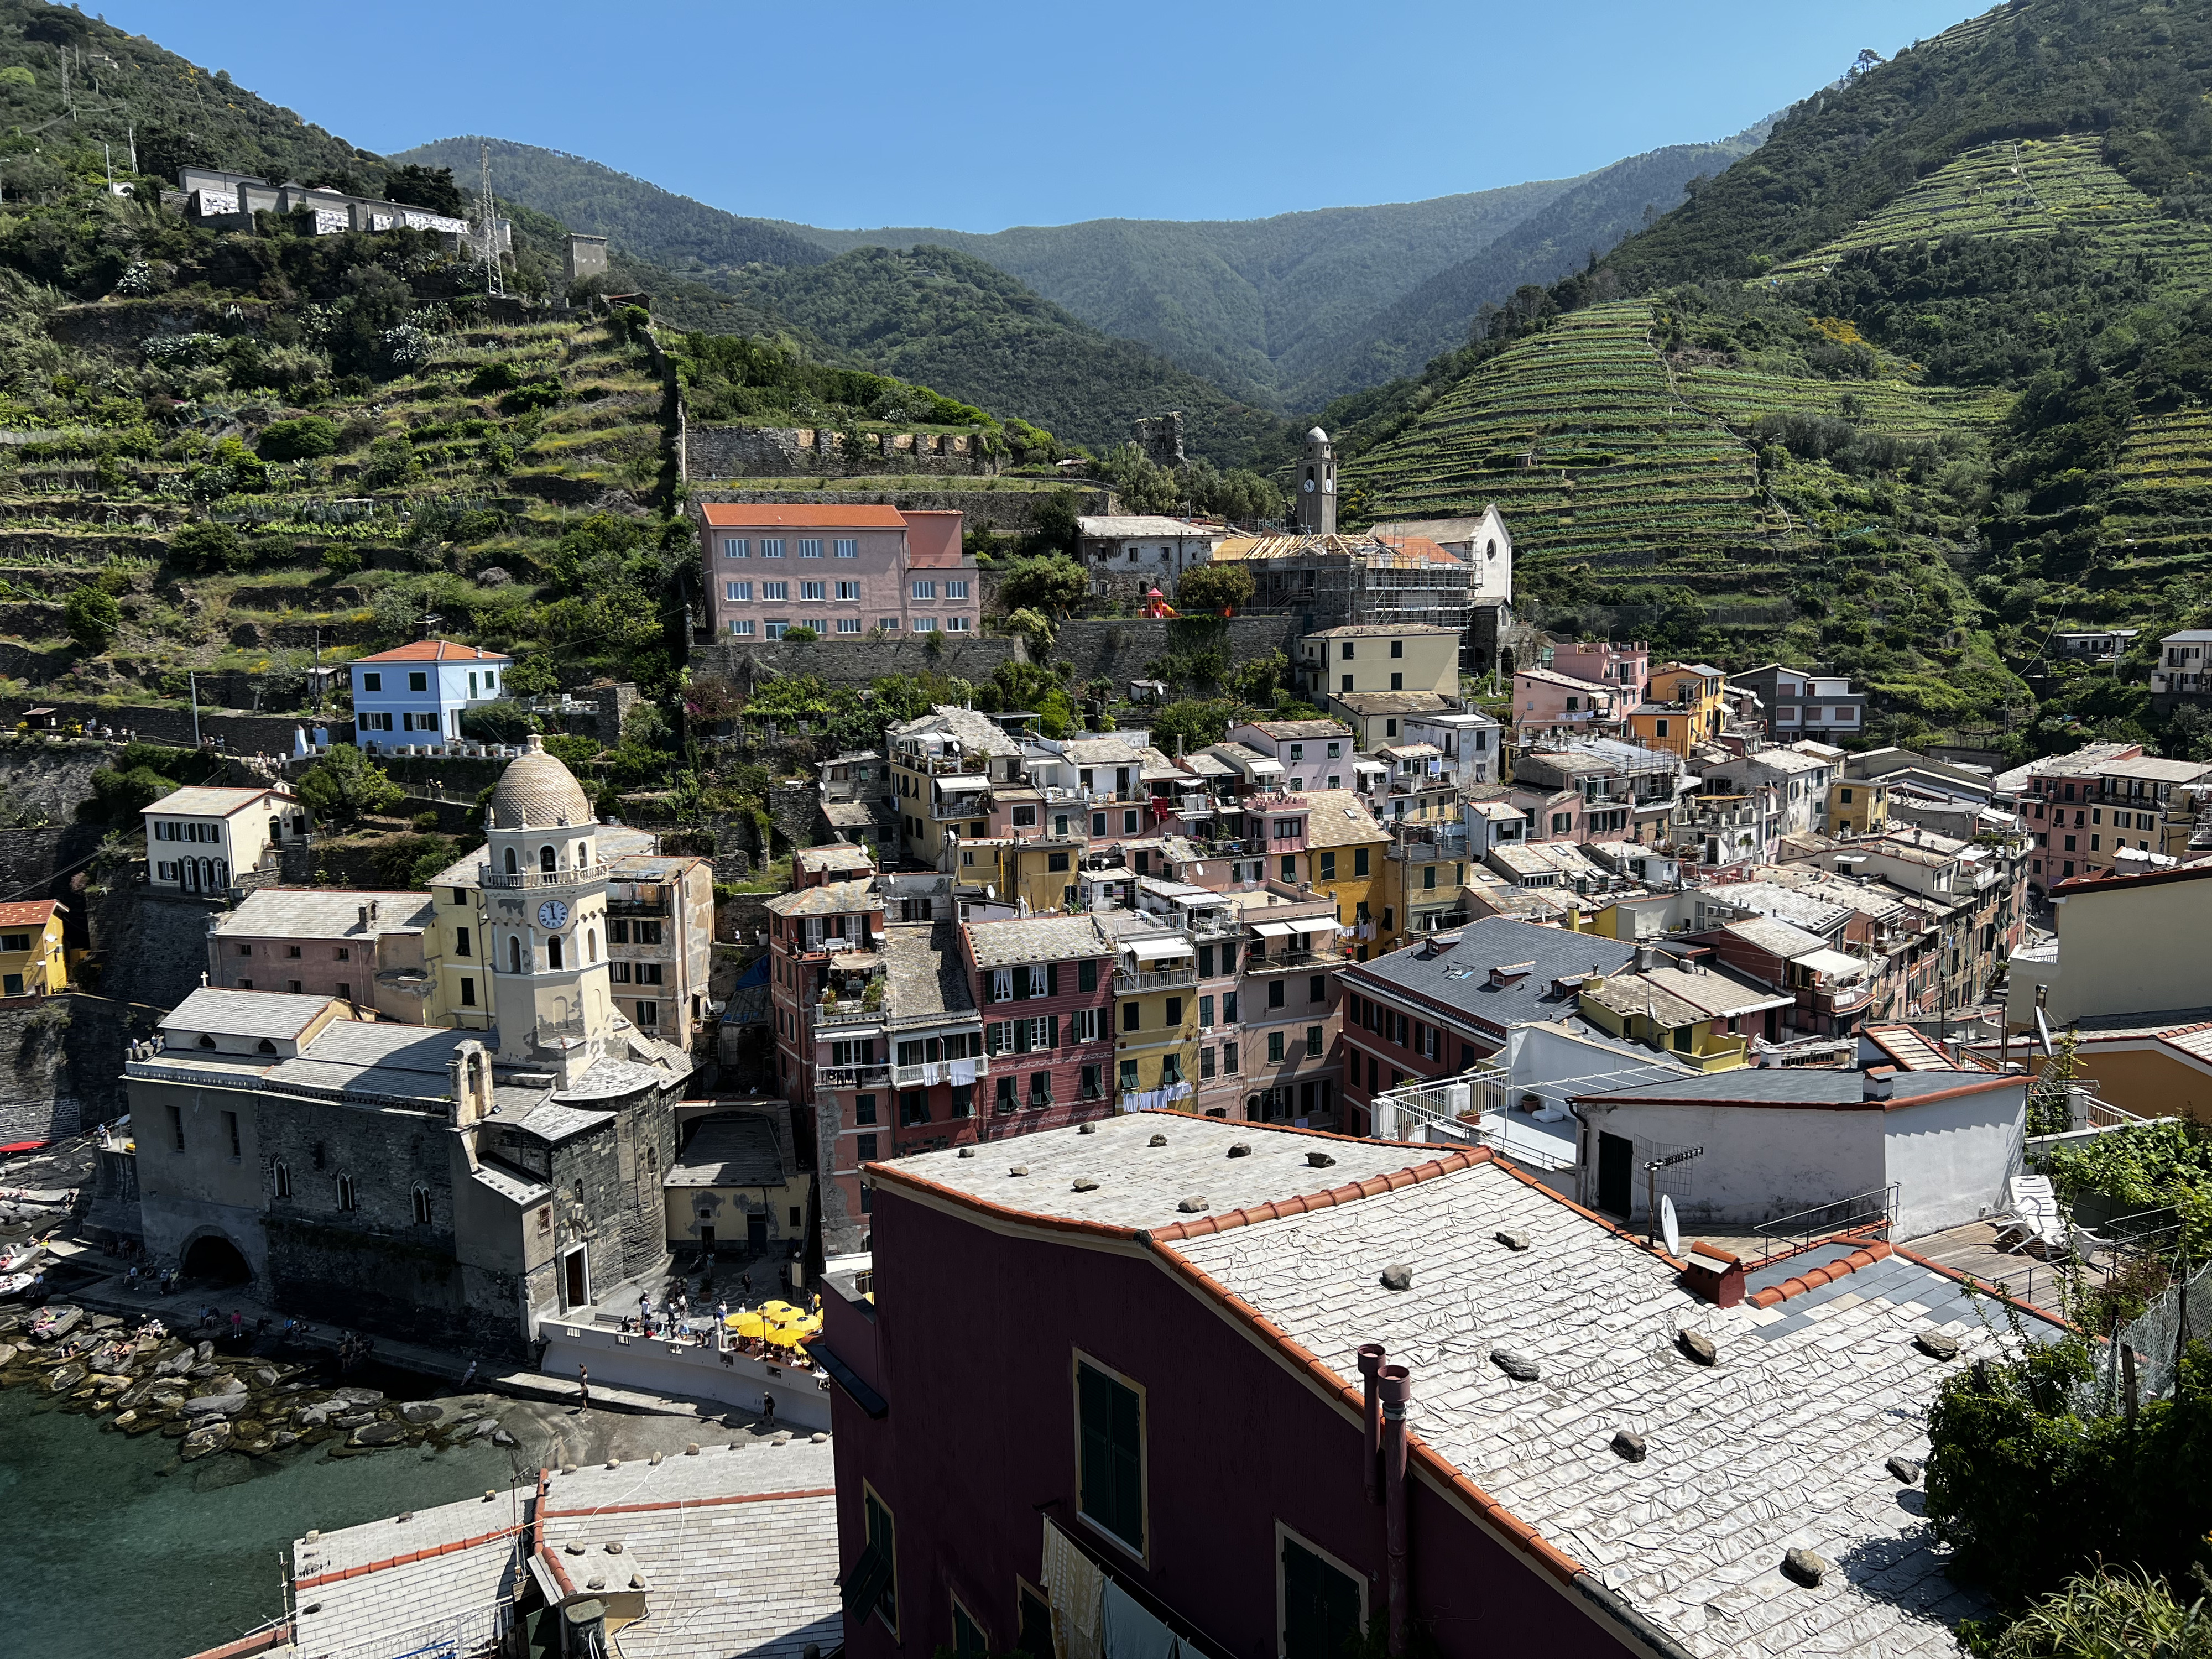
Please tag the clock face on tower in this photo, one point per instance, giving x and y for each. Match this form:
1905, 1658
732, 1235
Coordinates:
552, 913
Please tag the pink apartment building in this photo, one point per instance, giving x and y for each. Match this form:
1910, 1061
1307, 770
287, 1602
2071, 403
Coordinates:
1545, 700
844, 571
1625, 668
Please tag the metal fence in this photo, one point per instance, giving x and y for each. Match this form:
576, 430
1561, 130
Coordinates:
2151, 1345
1864, 1211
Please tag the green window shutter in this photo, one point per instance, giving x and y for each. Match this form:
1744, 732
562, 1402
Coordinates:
1086, 974
1113, 1483
1052, 979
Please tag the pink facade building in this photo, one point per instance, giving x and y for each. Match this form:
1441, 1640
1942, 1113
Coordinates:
1044, 985
843, 571
1625, 668
1545, 700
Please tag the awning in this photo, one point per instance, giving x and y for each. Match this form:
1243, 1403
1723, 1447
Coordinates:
964, 781
1274, 929
1834, 963
1314, 924
1156, 950
1264, 766
1368, 766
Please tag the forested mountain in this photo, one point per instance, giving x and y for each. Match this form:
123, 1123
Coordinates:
1920, 380
970, 331
1583, 221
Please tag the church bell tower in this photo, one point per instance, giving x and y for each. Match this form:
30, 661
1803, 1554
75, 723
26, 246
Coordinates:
545, 892
1314, 509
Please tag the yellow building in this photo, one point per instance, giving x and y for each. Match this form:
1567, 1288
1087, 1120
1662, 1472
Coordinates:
736, 1184
1369, 657
1156, 1021
1683, 706
1344, 860
1042, 870
943, 767
2127, 946
2154, 1069
1857, 806
32, 962
1697, 1019
1423, 888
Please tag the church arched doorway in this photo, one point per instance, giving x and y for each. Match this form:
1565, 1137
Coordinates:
214, 1260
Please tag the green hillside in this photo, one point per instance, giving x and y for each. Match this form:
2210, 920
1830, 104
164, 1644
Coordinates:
1955, 315
1589, 217
656, 225
970, 331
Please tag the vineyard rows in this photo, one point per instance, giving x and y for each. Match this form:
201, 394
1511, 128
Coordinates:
2029, 188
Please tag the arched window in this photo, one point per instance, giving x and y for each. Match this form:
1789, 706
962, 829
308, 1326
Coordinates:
510, 861
281, 1176
345, 1193
422, 1207
545, 858
592, 944
579, 1192
514, 954
553, 950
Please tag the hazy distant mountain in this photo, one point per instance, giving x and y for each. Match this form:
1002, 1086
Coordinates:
1279, 313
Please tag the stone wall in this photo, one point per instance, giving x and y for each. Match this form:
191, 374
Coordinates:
1118, 648
148, 950
172, 723
775, 452
1009, 511
858, 662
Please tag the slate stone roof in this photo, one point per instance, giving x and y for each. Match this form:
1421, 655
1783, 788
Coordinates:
1036, 939
1779, 1444
412, 1579
829, 898
1456, 976
245, 1013
926, 977
730, 1152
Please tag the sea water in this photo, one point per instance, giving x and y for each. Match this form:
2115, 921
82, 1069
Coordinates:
108, 1546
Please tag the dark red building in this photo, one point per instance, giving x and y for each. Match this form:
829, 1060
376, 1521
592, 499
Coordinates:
1258, 1391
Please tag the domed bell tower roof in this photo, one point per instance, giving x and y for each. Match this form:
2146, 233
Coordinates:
537, 791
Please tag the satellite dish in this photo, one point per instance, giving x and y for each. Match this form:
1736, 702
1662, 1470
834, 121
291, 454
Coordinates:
1670, 1228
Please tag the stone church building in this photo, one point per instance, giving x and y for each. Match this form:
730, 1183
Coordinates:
448, 1187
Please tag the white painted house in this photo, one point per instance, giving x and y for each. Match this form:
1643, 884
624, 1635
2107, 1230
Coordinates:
415, 694
198, 838
1154, 549
1779, 1141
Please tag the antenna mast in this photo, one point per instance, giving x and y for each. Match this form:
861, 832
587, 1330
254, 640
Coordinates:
488, 226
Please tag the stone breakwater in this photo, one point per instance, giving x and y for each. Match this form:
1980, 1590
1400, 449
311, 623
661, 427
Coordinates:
211, 1402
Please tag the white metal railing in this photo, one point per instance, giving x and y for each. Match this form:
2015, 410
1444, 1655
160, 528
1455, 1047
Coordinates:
1131, 981
491, 878
939, 1070
853, 1077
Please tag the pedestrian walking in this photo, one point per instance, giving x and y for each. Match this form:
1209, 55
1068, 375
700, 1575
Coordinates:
768, 1409
583, 1389
237, 1325
469, 1376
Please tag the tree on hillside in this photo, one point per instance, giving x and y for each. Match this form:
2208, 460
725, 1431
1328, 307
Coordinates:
93, 617
1144, 485
1214, 587
344, 784
1195, 721
1054, 585
426, 187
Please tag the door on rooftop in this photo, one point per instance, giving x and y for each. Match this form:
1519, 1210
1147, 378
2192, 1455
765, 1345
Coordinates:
1616, 1173
575, 1280
1323, 1604
756, 1233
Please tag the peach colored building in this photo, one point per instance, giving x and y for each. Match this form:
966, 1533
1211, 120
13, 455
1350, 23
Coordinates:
844, 571
1625, 668
1545, 700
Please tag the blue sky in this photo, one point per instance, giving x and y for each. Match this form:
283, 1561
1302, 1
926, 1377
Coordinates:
975, 117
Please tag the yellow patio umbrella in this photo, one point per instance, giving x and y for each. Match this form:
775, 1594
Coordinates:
747, 1324
780, 1310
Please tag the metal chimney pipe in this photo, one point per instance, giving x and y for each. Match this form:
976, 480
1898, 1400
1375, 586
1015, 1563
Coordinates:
1396, 1388
1371, 1365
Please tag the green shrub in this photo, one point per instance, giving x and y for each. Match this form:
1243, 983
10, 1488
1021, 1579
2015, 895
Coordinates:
532, 394
801, 635
344, 784
425, 823
16, 76
305, 438
495, 377
206, 547
504, 721
93, 617
1215, 586
343, 561
120, 796
2105, 1614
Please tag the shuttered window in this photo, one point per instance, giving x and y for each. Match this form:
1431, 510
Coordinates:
1113, 1453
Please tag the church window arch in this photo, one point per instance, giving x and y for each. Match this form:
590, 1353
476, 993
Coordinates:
515, 954
553, 951
545, 858
346, 1194
592, 944
510, 861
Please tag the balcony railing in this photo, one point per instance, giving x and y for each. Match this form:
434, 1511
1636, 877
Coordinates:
1130, 981
846, 1011
937, 1071
1285, 961
961, 806
638, 907
488, 878
853, 1077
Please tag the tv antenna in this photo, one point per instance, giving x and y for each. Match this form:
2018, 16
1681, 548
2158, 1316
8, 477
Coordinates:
1665, 1161
488, 226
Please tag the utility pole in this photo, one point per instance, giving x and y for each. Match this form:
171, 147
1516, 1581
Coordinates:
193, 680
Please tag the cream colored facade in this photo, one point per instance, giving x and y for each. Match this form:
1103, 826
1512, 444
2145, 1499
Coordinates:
2126, 945
1370, 657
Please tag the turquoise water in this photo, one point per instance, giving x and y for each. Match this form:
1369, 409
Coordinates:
107, 1555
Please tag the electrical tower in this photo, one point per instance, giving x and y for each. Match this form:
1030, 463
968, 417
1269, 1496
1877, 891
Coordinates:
487, 229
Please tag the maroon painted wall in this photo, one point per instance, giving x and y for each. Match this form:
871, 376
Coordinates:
972, 1345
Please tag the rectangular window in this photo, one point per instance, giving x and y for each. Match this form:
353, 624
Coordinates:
737, 592
1111, 1453
956, 590
736, 547
849, 625
1228, 1005
468, 993
1313, 1041
925, 590
956, 625
372, 682
1093, 1086
176, 1128
1359, 860
847, 547
1229, 1058
864, 1109
772, 550
776, 628
1129, 1010
1329, 866
817, 591
1206, 1013
889, 624
1129, 1081
808, 550
743, 630
849, 590
1086, 974
925, 624
1205, 1064
775, 590
418, 682
1274, 1046
230, 1130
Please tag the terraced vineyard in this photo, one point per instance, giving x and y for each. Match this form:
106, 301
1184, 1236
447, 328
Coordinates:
1581, 438
2159, 515
2026, 187
1739, 396
449, 491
